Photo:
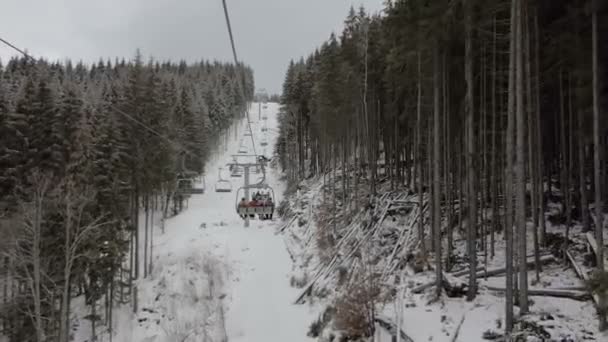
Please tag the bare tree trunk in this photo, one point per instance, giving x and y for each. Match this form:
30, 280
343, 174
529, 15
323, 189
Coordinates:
7, 279
597, 160
40, 194
136, 223
483, 179
146, 224
67, 267
509, 175
563, 145
436, 174
93, 321
150, 257
471, 172
569, 177
520, 200
419, 159
447, 162
429, 177
539, 140
581, 174
531, 157
493, 180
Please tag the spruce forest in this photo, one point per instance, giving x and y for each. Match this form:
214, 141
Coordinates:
433, 171
82, 162
489, 115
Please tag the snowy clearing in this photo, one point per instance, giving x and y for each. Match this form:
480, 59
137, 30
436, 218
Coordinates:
214, 280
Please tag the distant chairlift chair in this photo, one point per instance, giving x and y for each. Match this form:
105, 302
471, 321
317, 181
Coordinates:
235, 172
222, 185
186, 186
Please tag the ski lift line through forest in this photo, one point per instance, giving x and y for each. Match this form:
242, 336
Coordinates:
173, 144
236, 63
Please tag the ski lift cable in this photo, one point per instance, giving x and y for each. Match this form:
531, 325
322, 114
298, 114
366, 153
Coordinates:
236, 62
112, 107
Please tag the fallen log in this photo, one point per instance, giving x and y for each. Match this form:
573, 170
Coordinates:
482, 273
457, 332
421, 288
288, 224
466, 271
353, 227
581, 274
450, 283
547, 259
576, 295
392, 329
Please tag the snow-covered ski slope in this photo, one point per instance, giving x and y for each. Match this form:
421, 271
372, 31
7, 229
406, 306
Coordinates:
213, 279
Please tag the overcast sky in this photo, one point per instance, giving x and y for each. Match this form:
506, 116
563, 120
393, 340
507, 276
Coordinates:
268, 33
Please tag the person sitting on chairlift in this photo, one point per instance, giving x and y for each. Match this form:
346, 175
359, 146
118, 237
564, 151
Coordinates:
253, 203
271, 205
243, 204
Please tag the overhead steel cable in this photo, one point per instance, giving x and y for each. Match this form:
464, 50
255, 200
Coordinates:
241, 78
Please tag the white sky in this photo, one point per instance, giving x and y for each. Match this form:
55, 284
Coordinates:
268, 33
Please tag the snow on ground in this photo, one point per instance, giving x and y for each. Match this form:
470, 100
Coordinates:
423, 318
214, 280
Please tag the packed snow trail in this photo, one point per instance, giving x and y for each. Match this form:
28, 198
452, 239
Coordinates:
214, 280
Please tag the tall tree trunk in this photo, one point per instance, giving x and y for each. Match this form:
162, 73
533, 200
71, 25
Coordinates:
520, 200
539, 139
67, 267
36, 261
471, 172
419, 158
447, 162
146, 224
436, 173
429, 177
150, 257
509, 175
493, 180
563, 154
136, 223
582, 177
531, 152
598, 162
570, 161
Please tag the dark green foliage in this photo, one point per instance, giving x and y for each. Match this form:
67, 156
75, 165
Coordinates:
83, 128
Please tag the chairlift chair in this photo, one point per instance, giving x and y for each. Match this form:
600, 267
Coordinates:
236, 172
186, 186
263, 211
222, 185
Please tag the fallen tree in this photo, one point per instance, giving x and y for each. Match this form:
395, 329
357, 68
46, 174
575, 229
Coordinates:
547, 259
392, 329
453, 285
576, 295
581, 274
